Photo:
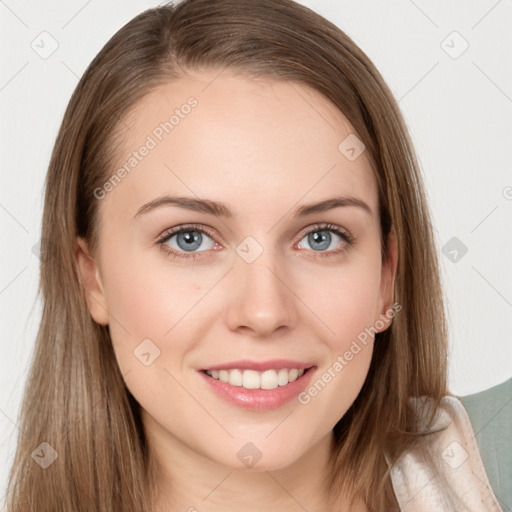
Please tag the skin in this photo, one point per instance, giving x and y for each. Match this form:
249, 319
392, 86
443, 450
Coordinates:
263, 148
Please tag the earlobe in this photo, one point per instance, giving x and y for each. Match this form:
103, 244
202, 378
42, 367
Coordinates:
388, 281
91, 283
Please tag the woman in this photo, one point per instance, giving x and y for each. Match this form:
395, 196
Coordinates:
242, 303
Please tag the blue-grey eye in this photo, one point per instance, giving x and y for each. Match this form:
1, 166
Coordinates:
319, 240
188, 240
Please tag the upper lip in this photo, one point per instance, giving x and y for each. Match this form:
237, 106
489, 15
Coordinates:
247, 364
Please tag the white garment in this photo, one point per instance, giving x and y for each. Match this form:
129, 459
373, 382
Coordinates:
455, 479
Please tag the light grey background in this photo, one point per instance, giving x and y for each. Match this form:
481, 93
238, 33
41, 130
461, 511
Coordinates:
458, 107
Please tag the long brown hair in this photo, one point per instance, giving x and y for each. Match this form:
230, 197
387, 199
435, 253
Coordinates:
75, 398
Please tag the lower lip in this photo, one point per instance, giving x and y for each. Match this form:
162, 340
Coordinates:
259, 399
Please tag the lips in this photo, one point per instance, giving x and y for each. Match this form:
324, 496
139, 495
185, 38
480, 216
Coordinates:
246, 364
259, 385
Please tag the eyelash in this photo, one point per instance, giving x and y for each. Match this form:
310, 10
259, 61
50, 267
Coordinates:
345, 235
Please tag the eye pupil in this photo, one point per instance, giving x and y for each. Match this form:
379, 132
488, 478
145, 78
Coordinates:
192, 240
322, 237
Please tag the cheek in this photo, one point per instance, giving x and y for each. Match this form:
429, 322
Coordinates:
144, 303
345, 300
151, 298
347, 306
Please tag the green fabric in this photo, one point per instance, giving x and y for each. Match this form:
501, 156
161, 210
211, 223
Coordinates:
490, 413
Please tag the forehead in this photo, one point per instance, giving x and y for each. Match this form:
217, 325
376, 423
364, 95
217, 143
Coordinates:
239, 140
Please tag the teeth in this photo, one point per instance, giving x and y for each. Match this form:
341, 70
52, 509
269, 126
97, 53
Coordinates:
251, 379
235, 377
293, 375
268, 380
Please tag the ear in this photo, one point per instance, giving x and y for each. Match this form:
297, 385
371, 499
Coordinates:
388, 283
91, 282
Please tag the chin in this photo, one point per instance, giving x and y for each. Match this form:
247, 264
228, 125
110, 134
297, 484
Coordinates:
259, 456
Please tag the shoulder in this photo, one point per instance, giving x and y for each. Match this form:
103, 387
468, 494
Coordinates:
444, 470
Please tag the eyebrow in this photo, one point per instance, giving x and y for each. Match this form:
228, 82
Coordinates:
221, 210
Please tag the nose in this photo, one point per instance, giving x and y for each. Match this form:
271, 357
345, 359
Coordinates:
261, 297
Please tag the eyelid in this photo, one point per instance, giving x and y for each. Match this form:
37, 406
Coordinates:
165, 235
327, 226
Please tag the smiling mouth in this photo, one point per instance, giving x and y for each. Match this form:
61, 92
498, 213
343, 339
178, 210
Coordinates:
253, 379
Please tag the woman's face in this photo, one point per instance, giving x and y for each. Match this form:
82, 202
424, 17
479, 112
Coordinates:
262, 290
